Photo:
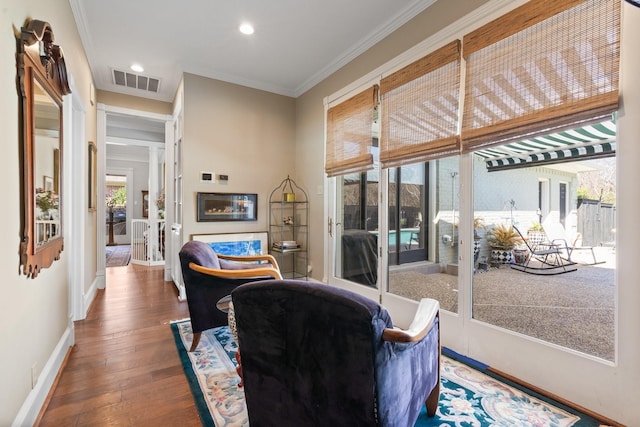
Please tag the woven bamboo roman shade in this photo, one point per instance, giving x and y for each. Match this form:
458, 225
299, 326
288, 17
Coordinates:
545, 66
349, 135
420, 108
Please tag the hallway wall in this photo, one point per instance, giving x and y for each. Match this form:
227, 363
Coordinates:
34, 313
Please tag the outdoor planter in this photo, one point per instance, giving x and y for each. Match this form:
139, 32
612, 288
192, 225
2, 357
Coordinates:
520, 255
502, 240
501, 256
536, 237
476, 248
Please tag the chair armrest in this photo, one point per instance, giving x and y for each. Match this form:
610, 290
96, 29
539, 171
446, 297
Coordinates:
428, 309
249, 258
236, 274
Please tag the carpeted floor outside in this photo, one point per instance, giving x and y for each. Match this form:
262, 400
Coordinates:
118, 256
575, 310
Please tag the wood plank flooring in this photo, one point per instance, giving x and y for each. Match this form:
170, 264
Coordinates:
124, 369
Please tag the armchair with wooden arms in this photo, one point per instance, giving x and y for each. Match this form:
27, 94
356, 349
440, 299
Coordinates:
208, 277
314, 354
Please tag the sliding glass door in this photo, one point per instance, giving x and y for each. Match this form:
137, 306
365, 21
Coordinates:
418, 214
354, 232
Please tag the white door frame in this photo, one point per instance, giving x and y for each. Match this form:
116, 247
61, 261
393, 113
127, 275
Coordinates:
76, 217
102, 112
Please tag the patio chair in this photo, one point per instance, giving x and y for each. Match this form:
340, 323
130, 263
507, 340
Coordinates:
546, 257
557, 234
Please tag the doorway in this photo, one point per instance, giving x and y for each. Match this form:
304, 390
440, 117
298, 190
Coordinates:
116, 209
127, 137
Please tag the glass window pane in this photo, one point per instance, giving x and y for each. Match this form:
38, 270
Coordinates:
423, 229
554, 281
356, 228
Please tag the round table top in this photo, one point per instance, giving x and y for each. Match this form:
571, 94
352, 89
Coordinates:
223, 303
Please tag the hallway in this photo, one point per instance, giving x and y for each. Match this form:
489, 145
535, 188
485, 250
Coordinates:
124, 369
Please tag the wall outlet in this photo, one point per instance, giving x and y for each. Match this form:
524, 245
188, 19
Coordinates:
34, 374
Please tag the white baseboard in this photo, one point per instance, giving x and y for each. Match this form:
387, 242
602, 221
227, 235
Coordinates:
91, 294
32, 405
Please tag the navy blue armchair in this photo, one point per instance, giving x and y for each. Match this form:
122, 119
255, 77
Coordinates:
316, 355
209, 276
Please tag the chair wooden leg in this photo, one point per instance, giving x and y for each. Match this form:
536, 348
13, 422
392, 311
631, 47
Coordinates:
433, 400
196, 340
239, 368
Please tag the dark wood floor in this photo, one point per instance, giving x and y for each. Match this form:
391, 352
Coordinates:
124, 369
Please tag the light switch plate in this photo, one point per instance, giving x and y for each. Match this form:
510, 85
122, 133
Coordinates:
208, 177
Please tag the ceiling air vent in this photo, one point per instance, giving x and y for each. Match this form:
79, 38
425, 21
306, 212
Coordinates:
136, 81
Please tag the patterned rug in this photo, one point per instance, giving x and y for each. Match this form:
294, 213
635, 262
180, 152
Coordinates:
118, 256
468, 397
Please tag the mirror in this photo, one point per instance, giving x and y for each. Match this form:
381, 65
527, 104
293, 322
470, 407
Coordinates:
42, 82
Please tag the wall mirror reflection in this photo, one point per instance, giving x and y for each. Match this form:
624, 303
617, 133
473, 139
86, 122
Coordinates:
46, 165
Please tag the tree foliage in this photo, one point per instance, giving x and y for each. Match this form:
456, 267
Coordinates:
600, 184
118, 197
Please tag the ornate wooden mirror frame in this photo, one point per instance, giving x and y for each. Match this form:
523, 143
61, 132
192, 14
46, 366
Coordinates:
42, 82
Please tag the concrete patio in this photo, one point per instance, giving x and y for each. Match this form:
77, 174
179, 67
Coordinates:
574, 310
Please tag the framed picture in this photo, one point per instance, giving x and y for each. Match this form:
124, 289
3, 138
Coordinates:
237, 244
227, 207
48, 183
92, 184
145, 204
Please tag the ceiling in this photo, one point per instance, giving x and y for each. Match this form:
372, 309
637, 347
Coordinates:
296, 43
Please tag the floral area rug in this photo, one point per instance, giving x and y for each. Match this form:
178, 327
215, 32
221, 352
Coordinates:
211, 373
468, 397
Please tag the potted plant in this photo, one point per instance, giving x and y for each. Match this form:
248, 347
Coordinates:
535, 233
502, 239
520, 254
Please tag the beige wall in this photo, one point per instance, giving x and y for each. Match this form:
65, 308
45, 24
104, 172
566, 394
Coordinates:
233, 130
133, 102
33, 312
310, 107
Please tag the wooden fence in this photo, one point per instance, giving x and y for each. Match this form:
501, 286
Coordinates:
596, 222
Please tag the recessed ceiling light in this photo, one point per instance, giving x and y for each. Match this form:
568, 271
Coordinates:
246, 28
137, 68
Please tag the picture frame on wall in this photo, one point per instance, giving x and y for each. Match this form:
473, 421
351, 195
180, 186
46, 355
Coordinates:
92, 177
235, 244
47, 183
227, 207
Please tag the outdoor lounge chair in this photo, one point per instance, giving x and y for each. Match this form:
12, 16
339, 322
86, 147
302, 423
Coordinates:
557, 234
544, 259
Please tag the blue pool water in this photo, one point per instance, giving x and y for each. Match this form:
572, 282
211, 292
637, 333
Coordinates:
405, 235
